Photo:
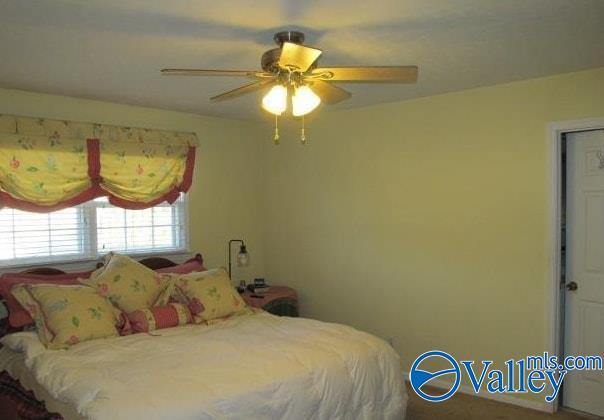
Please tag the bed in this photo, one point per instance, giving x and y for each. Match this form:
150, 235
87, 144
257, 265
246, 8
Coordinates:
258, 366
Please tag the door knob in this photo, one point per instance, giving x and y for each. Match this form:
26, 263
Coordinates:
572, 286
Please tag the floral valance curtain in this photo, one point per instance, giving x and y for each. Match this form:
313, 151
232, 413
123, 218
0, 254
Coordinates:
46, 165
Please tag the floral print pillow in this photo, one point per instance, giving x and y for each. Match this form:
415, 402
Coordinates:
129, 285
27, 301
67, 315
210, 294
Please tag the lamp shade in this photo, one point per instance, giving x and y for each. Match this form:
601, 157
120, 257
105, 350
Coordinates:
304, 101
243, 258
275, 101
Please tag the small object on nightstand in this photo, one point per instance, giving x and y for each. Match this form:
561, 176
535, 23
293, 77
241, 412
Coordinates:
261, 290
241, 287
278, 300
260, 286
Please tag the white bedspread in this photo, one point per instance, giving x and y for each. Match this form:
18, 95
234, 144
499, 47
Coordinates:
253, 367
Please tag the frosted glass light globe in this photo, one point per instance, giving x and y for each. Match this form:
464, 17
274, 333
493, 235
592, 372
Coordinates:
304, 101
275, 101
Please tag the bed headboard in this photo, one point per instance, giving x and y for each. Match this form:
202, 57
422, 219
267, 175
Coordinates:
45, 271
154, 263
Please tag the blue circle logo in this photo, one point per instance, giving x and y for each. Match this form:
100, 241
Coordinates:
420, 377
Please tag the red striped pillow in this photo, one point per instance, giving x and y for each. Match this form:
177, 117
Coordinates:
158, 317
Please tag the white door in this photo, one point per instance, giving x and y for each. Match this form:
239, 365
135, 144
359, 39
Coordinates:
584, 313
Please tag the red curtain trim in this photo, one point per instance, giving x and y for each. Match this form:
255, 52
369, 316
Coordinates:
187, 179
94, 160
7, 200
170, 197
95, 190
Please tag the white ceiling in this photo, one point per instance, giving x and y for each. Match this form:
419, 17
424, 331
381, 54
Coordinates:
113, 49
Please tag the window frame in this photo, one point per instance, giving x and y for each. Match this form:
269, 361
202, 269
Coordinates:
91, 243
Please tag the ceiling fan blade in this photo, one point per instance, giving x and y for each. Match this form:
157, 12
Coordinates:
329, 93
368, 74
242, 90
203, 72
297, 56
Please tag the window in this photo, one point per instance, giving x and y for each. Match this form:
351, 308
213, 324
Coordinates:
50, 236
90, 230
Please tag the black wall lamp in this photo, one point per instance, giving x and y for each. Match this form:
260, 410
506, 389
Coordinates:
243, 258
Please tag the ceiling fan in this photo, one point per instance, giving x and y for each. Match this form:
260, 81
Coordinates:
291, 70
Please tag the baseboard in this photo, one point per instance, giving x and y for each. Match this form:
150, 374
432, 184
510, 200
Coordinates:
504, 398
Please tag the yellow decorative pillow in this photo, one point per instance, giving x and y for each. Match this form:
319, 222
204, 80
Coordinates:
209, 293
67, 315
31, 306
128, 284
168, 290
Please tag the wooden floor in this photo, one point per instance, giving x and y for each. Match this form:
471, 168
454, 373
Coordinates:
468, 407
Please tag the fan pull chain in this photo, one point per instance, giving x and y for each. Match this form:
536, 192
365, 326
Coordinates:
303, 133
276, 137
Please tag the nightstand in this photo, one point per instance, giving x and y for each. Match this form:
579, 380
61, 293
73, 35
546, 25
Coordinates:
279, 300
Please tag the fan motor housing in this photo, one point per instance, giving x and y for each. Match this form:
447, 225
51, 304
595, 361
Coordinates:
294, 37
269, 60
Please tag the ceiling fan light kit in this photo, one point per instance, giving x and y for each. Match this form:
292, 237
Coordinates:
304, 101
293, 68
275, 101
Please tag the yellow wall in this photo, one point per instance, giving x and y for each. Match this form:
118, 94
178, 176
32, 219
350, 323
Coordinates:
224, 201
426, 220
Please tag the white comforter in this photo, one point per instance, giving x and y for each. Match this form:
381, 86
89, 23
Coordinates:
254, 367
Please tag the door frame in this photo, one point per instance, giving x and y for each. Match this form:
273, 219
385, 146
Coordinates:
554, 307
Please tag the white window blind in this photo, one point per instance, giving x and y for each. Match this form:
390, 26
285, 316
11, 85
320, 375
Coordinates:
155, 229
89, 231
53, 236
